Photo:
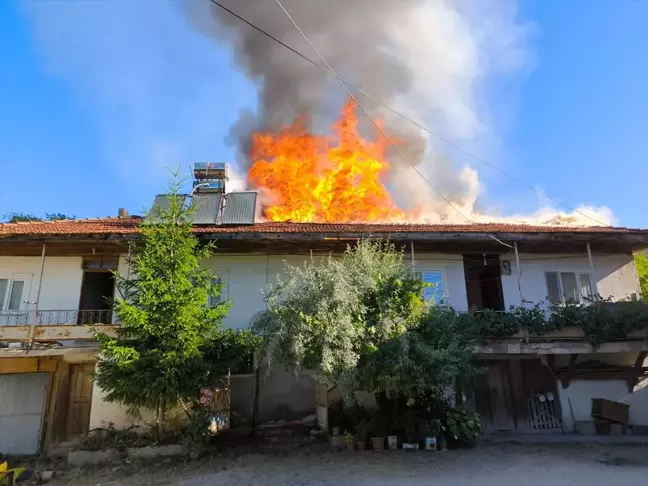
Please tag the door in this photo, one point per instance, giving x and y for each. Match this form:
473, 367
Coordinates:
22, 404
492, 396
80, 400
483, 282
97, 290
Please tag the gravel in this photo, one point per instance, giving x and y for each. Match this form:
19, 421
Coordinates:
501, 465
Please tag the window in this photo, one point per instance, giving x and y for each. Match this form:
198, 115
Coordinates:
434, 292
568, 287
11, 294
221, 278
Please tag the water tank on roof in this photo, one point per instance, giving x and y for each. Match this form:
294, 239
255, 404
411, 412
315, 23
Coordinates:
210, 177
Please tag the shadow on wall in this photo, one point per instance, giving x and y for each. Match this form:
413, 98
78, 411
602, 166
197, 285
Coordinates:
285, 397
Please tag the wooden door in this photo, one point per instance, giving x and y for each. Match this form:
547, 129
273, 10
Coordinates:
80, 400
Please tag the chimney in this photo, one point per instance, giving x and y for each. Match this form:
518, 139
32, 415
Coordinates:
122, 213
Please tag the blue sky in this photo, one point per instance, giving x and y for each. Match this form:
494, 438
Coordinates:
84, 132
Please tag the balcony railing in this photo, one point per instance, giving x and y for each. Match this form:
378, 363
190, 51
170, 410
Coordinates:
56, 317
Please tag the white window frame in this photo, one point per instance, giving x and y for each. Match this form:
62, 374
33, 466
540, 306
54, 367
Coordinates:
4, 299
579, 289
444, 291
223, 276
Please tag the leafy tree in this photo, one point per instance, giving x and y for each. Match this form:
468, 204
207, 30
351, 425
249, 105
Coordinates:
641, 261
57, 216
21, 217
357, 321
169, 344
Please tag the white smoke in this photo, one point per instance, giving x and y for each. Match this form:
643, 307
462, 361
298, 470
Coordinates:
430, 60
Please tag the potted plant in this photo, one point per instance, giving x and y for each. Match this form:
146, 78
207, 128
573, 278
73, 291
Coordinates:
378, 432
430, 430
349, 441
361, 438
410, 425
462, 428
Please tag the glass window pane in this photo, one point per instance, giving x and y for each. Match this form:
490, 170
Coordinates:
570, 289
16, 295
433, 293
553, 289
3, 291
586, 286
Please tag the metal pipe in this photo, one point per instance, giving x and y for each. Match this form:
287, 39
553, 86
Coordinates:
40, 279
589, 256
519, 272
413, 260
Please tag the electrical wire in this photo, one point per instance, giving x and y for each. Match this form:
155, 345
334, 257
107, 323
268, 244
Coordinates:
354, 99
405, 117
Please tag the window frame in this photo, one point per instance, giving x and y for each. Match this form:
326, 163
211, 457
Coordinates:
579, 287
6, 298
223, 276
444, 284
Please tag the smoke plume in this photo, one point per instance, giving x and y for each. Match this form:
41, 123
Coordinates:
431, 60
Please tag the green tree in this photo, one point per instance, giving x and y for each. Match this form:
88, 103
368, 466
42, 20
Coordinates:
158, 357
21, 217
359, 320
641, 261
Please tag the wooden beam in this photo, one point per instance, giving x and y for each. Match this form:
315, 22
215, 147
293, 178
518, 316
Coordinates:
18, 365
54, 333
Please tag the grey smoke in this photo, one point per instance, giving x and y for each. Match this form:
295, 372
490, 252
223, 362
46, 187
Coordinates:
428, 58
353, 36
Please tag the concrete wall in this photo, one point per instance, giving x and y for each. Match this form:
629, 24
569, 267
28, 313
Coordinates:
613, 275
247, 276
61, 280
579, 394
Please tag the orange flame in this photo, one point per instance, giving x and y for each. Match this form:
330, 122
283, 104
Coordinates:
323, 178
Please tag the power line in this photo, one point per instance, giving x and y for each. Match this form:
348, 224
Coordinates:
405, 117
369, 116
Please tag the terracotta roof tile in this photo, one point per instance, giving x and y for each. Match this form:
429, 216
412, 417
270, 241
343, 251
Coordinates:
130, 225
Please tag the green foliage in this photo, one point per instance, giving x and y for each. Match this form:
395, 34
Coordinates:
18, 217
461, 426
601, 320
169, 343
641, 261
332, 314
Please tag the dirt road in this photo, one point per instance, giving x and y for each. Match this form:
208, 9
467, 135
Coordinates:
484, 466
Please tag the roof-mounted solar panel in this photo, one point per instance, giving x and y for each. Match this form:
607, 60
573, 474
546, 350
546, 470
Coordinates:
205, 208
161, 203
240, 208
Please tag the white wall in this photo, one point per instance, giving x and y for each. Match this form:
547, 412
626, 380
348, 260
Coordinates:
61, 280
248, 275
579, 395
613, 275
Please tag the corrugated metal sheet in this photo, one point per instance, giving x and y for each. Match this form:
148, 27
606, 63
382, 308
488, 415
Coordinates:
240, 208
22, 402
205, 208
162, 202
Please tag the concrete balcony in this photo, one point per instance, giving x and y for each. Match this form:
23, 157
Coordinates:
63, 327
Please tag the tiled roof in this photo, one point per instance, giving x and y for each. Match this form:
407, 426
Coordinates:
130, 225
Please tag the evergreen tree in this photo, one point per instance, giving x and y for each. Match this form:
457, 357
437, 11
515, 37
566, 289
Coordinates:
158, 357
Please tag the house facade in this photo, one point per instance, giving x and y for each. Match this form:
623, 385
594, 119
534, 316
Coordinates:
56, 279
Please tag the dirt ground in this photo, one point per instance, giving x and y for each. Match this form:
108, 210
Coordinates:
487, 465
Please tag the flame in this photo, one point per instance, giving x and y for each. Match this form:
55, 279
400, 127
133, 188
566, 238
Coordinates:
312, 178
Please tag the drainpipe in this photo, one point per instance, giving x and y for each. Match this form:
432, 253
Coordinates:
412, 250
589, 256
40, 285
